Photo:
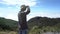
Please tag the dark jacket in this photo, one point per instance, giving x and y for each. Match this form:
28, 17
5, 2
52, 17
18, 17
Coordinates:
22, 19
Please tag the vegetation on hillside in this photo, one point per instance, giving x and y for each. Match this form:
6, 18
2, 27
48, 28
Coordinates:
7, 24
36, 24
44, 24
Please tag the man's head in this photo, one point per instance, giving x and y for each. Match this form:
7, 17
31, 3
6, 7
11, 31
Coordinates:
23, 7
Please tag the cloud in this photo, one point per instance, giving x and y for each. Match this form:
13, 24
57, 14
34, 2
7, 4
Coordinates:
19, 2
12, 16
1, 14
9, 13
43, 14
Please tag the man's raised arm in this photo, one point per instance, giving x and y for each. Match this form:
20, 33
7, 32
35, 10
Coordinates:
27, 10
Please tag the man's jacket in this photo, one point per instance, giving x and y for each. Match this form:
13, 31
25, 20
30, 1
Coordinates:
22, 19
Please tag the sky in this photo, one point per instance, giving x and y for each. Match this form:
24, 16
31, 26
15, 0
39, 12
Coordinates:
45, 8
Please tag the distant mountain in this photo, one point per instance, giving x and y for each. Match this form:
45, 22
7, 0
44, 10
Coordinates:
43, 21
7, 24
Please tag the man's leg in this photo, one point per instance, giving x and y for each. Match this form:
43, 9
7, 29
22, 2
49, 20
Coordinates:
25, 31
20, 32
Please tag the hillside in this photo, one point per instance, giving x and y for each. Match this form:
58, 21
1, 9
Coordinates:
44, 22
8, 24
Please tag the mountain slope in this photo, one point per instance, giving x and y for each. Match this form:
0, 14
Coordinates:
7, 24
43, 21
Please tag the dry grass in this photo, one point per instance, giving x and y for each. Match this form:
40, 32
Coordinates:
11, 32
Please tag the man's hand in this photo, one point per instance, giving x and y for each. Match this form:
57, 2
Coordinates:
27, 6
27, 10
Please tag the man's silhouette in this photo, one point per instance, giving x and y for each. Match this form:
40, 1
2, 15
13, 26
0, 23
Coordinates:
23, 27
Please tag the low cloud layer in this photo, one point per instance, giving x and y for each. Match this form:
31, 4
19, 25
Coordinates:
19, 2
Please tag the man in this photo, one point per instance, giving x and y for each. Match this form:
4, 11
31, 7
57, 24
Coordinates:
23, 27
